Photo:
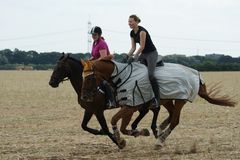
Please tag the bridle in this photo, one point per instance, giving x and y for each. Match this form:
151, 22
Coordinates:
65, 78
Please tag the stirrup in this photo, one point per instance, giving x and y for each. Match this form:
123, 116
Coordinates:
155, 104
111, 104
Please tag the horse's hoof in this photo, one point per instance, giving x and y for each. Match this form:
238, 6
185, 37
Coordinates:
155, 133
158, 144
157, 147
135, 133
121, 143
145, 132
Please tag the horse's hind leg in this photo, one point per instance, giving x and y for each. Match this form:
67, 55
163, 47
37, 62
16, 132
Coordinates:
176, 114
174, 121
170, 107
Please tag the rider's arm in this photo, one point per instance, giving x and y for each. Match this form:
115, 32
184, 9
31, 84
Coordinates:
103, 53
133, 48
142, 42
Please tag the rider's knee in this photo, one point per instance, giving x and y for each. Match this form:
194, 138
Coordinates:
151, 77
105, 82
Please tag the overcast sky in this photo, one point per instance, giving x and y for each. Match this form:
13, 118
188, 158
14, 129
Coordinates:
191, 27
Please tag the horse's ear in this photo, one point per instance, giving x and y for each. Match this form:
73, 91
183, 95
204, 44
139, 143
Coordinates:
68, 55
90, 63
63, 55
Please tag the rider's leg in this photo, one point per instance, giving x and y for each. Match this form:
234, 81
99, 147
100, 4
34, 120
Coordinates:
109, 94
152, 61
155, 89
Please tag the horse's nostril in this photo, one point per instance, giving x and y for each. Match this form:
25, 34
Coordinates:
83, 97
53, 84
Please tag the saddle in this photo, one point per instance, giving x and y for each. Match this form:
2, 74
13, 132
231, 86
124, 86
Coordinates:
159, 61
158, 64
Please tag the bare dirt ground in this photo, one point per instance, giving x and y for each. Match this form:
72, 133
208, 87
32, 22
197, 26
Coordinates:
39, 122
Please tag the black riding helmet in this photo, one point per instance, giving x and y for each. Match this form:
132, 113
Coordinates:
96, 30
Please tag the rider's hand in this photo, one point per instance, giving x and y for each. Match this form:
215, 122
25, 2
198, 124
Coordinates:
135, 57
130, 60
125, 58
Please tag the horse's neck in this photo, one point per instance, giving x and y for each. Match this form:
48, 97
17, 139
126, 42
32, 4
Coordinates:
76, 82
76, 78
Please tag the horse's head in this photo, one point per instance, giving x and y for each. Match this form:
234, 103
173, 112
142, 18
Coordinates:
94, 73
61, 71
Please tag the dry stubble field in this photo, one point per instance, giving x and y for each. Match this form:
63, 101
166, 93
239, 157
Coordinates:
39, 122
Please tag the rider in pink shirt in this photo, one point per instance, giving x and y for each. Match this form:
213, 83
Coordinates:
99, 47
100, 50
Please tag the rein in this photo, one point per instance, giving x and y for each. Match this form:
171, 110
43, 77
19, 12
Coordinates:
65, 79
119, 80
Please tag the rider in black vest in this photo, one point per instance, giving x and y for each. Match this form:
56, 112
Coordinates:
146, 54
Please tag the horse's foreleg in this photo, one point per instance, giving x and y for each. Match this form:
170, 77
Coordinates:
142, 113
87, 116
126, 118
126, 114
102, 121
114, 121
116, 132
154, 121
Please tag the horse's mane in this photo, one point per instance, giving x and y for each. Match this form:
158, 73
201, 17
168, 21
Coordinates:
78, 61
80, 66
107, 59
68, 56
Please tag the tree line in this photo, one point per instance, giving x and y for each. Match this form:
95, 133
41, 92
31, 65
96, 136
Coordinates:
18, 59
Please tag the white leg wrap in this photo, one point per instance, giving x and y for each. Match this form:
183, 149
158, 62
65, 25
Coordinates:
165, 134
160, 131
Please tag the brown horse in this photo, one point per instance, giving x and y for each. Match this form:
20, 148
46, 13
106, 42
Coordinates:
95, 73
68, 67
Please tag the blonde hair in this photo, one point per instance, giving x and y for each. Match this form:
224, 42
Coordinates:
135, 17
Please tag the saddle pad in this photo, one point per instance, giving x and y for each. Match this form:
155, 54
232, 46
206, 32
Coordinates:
135, 87
175, 82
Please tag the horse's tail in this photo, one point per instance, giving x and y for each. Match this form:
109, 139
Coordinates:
210, 96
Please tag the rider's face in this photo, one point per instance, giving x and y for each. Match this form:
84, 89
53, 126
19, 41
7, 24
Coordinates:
95, 36
132, 23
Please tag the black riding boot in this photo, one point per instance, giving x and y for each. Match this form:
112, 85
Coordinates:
109, 95
155, 88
